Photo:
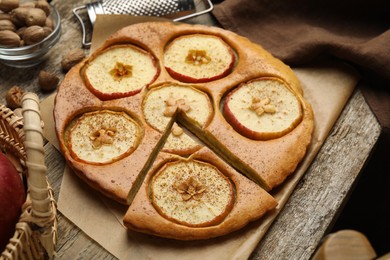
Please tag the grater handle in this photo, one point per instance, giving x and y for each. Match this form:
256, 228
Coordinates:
95, 8
209, 9
83, 29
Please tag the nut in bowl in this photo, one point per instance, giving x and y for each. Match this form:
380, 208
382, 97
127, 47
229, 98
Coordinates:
28, 30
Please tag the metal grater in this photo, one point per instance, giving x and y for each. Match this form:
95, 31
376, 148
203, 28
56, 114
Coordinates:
177, 9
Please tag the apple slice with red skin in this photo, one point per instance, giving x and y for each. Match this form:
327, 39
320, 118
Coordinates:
263, 109
120, 71
198, 58
12, 197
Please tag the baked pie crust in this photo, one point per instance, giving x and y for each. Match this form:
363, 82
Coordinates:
186, 119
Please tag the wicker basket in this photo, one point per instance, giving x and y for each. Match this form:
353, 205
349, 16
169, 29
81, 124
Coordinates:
36, 232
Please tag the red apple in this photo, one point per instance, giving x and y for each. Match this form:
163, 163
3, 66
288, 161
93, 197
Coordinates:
12, 196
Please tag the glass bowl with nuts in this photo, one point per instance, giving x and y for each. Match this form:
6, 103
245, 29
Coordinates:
28, 30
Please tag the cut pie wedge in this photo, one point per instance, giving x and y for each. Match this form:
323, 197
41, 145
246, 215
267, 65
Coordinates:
194, 198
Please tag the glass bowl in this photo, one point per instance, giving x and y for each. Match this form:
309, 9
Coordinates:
31, 55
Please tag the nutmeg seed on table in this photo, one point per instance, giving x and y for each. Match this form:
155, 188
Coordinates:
47, 81
72, 58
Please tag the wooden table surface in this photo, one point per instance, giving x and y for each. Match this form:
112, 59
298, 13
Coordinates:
312, 207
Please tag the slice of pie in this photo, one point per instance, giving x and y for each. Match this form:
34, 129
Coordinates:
199, 197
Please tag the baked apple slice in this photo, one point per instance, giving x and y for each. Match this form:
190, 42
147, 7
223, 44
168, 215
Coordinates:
102, 137
198, 58
192, 193
161, 104
119, 71
263, 109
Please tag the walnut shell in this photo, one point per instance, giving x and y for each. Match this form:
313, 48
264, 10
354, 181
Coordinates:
14, 97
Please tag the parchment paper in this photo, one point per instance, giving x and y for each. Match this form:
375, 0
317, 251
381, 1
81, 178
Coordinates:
327, 86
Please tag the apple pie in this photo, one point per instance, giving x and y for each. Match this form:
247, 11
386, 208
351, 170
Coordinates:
191, 126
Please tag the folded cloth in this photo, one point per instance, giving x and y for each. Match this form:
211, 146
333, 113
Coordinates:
298, 31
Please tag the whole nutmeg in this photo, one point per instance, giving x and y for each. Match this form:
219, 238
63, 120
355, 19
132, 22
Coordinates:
35, 16
42, 4
33, 34
20, 31
47, 81
27, 4
7, 5
47, 30
4, 16
13, 97
72, 58
7, 25
18, 16
49, 23
9, 39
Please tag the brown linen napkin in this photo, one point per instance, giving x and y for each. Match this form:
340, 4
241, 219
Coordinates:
298, 31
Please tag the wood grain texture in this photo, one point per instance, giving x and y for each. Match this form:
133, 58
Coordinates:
324, 189
311, 209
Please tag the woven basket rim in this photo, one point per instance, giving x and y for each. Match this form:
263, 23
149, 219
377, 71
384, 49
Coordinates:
25, 242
